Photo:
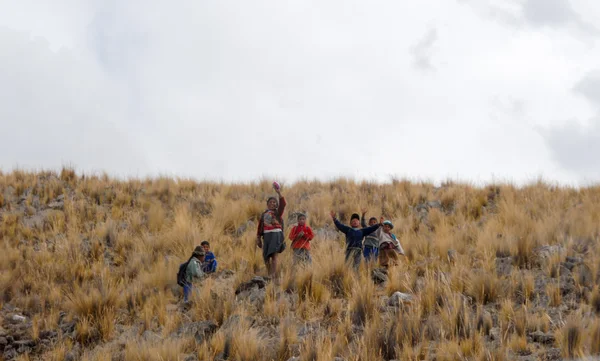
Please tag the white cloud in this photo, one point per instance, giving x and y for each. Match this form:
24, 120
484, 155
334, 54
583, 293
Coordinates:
291, 89
58, 108
575, 146
422, 51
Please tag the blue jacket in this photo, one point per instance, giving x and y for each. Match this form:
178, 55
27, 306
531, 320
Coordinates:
354, 236
210, 263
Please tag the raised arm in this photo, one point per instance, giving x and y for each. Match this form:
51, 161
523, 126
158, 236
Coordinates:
282, 204
363, 220
339, 225
367, 231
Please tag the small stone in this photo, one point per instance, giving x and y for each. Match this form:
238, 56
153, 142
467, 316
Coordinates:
379, 275
543, 254
503, 266
24, 343
495, 333
256, 281
56, 205
434, 204
192, 357
452, 254
10, 354
151, 336
71, 356
552, 354
399, 298
226, 273
541, 337
48, 334
18, 318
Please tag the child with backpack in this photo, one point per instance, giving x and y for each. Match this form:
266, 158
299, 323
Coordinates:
270, 236
190, 271
301, 235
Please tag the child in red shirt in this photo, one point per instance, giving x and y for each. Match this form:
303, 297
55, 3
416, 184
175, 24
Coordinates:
301, 235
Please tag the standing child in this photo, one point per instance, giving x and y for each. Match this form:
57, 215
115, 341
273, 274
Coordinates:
210, 262
389, 246
371, 242
354, 237
270, 236
301, 235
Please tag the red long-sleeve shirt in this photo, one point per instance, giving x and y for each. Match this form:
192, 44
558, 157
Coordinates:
303, 242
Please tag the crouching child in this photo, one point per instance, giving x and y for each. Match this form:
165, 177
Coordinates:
210, 262
191, 271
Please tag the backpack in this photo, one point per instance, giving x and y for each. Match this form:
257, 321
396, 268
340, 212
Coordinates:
181, 273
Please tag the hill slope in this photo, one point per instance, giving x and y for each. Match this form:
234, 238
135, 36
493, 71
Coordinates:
88, 270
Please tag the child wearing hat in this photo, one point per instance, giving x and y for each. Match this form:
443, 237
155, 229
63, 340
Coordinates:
389, 246
354, 237
301, 235
193, 271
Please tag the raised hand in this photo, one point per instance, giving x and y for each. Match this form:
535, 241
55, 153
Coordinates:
332, 214
364, 211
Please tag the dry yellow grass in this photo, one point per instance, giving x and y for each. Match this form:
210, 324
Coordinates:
94, 260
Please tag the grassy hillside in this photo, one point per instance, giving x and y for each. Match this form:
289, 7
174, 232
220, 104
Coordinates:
495, 273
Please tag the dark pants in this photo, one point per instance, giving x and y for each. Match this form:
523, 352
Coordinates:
187, 289
370, 253
302, 255
353, 255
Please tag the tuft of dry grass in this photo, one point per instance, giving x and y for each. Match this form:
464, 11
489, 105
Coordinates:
570, 338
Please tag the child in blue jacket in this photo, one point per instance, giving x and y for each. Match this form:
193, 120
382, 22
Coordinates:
210, 262
354, 237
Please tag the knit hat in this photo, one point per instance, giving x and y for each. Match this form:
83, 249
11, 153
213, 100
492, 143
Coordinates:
198, 251
389, 223
355, 215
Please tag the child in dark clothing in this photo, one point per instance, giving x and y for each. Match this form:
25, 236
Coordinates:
354, 237
210, 262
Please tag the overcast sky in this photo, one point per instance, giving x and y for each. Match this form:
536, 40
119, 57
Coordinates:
474, 90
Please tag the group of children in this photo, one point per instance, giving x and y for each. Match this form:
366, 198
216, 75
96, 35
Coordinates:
201, 263
373, 242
